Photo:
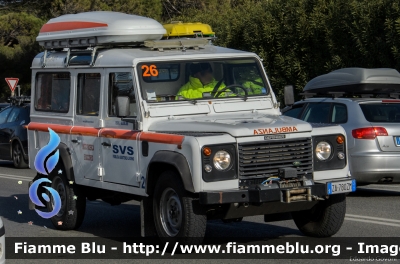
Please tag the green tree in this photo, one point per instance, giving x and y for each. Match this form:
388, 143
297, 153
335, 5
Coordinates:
149, 8
301, 39
17, 48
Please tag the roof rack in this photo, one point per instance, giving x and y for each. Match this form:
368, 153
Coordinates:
184, 44
308, 95
333, 95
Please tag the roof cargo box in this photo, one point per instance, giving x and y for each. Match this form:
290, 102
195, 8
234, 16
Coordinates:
100, 27
356, 81
178, 29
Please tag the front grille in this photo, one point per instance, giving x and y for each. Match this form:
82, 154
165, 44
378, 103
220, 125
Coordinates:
259, 160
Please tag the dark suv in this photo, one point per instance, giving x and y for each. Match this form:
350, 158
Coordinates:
13, 135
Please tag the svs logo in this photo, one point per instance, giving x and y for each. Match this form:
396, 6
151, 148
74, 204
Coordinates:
122, 149
45, 167
126, 151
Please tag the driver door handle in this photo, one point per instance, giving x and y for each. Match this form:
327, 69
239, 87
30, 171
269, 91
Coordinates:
106, 144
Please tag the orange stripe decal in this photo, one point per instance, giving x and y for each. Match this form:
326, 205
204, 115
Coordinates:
45, 127
109, 133
162, 138
118, 133
60, 26
85, 131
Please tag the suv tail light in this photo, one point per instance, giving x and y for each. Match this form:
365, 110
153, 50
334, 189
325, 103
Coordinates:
369, 132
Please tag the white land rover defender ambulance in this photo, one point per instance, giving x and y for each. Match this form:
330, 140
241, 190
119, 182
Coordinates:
111, 88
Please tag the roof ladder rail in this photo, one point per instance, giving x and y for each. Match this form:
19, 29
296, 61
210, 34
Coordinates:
44, 59
66, 63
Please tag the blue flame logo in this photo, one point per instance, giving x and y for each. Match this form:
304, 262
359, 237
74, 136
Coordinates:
45, 167
35, 198
45, 151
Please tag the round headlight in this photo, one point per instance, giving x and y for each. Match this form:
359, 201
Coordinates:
222, 160
323, 150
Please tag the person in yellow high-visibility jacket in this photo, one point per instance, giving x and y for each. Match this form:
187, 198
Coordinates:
201, 81
255, 87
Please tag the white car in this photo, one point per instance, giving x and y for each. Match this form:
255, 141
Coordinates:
2, 243
130, 128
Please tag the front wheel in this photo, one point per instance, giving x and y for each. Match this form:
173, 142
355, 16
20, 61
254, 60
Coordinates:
173, 209
324, 219
18, 156
73, 202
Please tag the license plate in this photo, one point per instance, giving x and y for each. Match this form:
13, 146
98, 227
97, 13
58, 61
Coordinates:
341, 186
397, 140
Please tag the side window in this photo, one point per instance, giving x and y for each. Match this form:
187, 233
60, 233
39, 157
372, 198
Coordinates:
317, 113
52, 92
4, 115
88, 97
295, 111
121, 84
13, 115
339, 114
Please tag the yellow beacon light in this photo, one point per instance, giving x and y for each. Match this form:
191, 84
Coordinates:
178, 29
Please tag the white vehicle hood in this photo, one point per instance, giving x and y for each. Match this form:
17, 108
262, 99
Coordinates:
238, 126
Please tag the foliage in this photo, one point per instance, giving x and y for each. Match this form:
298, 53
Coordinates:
17, 48
301, 39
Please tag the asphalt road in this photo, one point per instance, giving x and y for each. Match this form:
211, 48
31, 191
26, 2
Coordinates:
373, 211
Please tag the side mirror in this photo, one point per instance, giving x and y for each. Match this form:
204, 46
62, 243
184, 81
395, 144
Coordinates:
289, 95
122, 106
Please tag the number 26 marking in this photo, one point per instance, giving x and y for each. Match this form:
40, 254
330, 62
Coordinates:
149, 71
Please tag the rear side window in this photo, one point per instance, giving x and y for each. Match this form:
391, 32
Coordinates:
52, 92
339, 114
387, 113
88, 100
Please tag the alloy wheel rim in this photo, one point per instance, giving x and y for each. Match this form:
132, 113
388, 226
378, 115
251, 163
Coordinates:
17, 154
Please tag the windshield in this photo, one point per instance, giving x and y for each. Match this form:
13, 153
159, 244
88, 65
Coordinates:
196, 80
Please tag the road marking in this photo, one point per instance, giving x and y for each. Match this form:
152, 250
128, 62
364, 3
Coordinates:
370, 221
373, 218
16, 177
382, 185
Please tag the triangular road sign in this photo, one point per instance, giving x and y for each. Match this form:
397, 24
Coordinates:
12, 83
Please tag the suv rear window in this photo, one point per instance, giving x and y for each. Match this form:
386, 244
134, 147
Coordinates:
388, 113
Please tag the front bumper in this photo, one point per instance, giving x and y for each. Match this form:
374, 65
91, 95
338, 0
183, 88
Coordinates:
264, 195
